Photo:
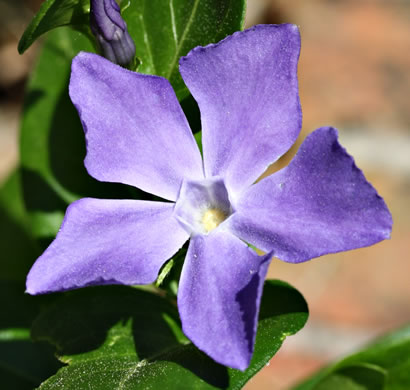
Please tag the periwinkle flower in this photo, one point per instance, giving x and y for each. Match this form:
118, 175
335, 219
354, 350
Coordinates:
137, 134
111, 32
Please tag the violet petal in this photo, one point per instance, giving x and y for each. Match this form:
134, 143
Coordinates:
247, 91
108, 242
219, 297
135, 129
321, 203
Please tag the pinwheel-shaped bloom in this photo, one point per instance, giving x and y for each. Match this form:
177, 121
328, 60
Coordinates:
136, 132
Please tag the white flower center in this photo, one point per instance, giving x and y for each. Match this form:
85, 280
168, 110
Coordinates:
202, 205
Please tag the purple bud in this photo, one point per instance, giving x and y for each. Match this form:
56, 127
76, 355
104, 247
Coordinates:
111, 32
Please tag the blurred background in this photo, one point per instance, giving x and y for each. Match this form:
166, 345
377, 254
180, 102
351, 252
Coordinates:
354, 74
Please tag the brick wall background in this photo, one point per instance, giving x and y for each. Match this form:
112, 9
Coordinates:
354, 75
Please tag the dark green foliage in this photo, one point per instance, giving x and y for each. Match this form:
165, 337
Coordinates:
123, 337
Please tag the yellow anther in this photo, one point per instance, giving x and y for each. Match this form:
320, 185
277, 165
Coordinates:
212, 218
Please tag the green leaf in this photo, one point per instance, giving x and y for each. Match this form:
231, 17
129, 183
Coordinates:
52, 144
198, 139
164, 272
17, 247
354, 377
383, 365
23, 363
165, 30
122, 337
169, 282
283, 313
55, 13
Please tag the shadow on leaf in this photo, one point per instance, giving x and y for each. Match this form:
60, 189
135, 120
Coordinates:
120, 321
279, 298
38, 195
80, 321
190, 358
18, 249
23, 363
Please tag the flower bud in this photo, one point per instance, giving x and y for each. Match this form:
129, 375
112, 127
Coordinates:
111, 32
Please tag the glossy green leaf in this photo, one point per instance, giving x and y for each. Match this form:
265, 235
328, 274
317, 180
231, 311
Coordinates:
52, 144
55, 13
165, 30
384, 365
122, 337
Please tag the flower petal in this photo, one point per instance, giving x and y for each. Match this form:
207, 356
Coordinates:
135, 129
219, 296
108, 242
247, 91
321, 203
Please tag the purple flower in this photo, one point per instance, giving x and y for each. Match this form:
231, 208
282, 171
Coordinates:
111, 32
136, 132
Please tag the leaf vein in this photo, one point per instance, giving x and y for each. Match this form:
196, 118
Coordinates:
128, 375
173, 24
181, 42
147, 44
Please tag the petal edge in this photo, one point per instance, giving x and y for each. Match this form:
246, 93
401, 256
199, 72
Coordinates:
107, 242
219, 297
247, 91
321, 203
136, 132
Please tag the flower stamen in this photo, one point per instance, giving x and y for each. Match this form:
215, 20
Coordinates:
212, 218
203, 205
